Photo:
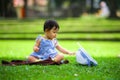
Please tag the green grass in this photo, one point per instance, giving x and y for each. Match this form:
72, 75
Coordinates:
89, 23
104, 52
84, 24
70, 35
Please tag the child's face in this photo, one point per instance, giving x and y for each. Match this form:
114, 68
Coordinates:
51, 33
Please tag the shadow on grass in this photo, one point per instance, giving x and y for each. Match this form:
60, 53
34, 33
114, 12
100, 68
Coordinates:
70, 39
102, 61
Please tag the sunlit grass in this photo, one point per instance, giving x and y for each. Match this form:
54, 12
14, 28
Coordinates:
17, 48
104, 52
72, 24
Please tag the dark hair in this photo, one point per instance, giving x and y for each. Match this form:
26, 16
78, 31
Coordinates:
49, 24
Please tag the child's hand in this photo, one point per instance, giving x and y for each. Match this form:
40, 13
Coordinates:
36, 49
71, 53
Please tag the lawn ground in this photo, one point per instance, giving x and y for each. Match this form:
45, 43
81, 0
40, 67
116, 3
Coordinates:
83, 28
104, 52
99, 37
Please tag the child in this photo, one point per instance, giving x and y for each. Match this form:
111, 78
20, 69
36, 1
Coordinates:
46, 45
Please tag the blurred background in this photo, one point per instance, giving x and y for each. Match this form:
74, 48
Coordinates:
78, 19
95, 24
58, 8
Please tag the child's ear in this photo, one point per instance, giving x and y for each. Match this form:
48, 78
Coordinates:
46, 30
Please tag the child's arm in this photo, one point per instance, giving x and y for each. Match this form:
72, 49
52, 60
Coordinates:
63, 50
36, 46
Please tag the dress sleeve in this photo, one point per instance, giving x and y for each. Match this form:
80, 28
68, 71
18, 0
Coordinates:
38, 38
55, 42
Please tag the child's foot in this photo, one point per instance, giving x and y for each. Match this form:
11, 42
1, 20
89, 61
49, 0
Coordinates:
64, 61
38, 60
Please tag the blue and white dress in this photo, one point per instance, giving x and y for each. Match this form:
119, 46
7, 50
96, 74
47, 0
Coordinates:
47, 48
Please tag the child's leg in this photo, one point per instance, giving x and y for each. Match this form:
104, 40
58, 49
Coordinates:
58, 58
32, 59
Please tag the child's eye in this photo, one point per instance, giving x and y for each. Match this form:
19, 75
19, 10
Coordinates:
54, 32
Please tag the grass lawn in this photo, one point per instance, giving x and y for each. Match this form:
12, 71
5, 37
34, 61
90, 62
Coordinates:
22, 29
104, 52
89, 23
